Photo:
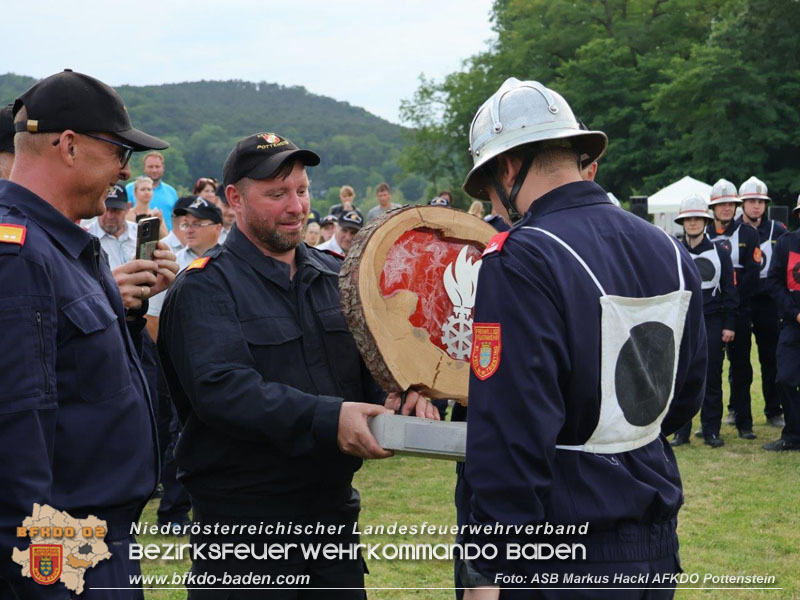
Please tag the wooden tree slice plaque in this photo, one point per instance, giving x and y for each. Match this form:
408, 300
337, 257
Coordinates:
408, 289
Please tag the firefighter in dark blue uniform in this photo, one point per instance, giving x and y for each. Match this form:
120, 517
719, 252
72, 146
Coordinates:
267, 380
742, 242
78, 429
720, 303
783, 282
763, 311
588, 347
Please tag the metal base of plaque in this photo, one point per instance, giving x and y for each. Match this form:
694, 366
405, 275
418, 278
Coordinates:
420, 437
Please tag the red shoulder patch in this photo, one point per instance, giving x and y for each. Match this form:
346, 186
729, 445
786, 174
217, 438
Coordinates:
486, 345
757, 255
13, 234
198, 263
496, 243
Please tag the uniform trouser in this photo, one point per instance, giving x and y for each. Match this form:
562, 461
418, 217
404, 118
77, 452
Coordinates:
462, 495
632, 569
711, 412
764, 314
790, 395
341, 578
741, 371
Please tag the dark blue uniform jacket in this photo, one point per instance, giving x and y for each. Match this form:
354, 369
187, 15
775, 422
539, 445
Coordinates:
726, 299
783, 283
258, 365
747, 273
546, 390
764, 229
76, 423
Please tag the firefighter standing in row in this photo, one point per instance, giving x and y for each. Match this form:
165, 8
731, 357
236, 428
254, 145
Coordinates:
763, 311
783, 282
720, 304
580, 364
742, 242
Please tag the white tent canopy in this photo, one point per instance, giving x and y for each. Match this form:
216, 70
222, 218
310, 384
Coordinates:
665, 203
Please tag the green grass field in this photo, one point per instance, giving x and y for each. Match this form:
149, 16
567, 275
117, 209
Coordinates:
741, 516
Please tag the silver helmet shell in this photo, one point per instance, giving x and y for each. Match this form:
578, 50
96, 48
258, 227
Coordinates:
518, 113
753, 188
723, 191
694, 205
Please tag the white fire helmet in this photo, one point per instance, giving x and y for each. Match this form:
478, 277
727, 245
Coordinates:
723, 191
694, 205
753, 188
518, 113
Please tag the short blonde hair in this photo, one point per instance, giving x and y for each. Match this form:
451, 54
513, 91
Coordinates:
140, 180
346, 190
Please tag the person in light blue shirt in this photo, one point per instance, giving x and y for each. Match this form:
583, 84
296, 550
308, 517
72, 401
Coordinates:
164, 195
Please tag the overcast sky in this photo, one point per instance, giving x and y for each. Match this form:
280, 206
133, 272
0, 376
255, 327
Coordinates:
368, 53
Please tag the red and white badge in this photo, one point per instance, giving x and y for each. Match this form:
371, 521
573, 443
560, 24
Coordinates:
486, 346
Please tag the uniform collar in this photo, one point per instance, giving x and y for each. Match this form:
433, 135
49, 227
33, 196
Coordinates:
570, 195
68, 235
276, 271
705, 244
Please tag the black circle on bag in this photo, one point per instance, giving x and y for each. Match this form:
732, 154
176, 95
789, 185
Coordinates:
706, 268
644, 371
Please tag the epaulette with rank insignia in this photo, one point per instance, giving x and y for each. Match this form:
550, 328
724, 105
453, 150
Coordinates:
495, 245
198, 263
13, 231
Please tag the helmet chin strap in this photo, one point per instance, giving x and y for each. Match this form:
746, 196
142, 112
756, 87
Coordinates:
509, 200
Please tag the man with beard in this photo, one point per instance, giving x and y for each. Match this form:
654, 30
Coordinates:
268, 382
742, 242
720, 301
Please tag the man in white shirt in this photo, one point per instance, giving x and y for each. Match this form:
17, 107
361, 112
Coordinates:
350, 223
176, 239
202, 224
117, 236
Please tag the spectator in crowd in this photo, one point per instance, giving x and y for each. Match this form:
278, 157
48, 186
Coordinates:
6, 142
117, 235
68, 427
476, 208
385, 203
763, 312
176, 239
206, 188
274, 410
783, 282
348, 225
327, 227
447, 196
312, 234
143, 194
720, 306
228, 214
164, 195
347, 196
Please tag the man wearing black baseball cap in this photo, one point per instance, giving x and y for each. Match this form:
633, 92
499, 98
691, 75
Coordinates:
77, 417
350, 223
267, 379
117, 235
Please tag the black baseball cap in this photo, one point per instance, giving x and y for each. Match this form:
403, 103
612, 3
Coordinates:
117, 197
182, 202
352, 219
328, 220
260, 156
6, 130
202, 209
70, 100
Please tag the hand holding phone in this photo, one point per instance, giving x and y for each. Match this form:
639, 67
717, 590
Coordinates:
147, 237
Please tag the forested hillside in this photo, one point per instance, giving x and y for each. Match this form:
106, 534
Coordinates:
202, 121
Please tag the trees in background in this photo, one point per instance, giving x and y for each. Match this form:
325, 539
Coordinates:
709, 88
